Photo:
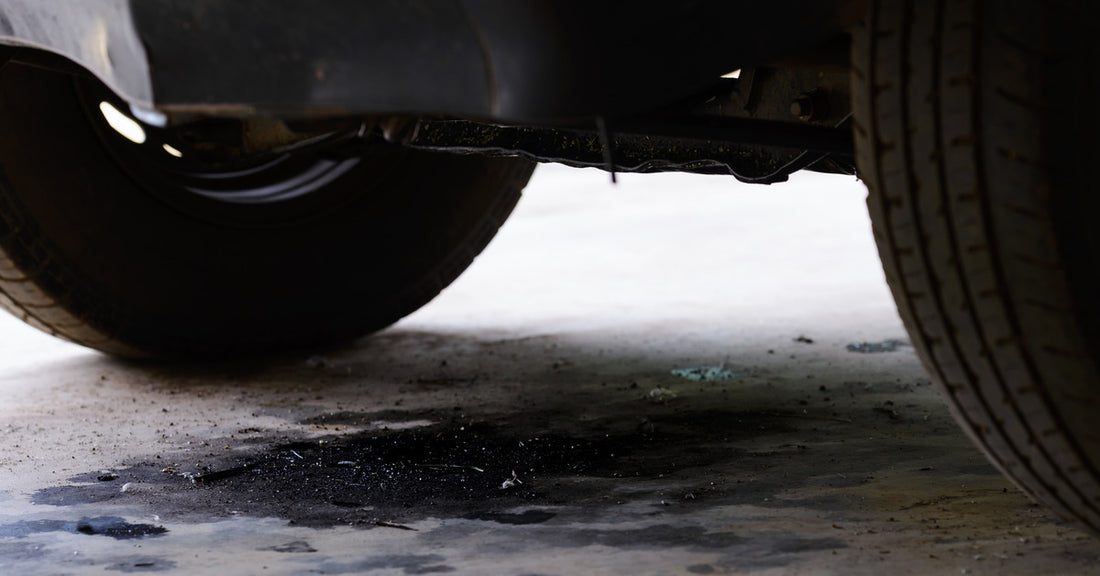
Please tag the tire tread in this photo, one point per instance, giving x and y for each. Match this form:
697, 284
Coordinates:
973, 275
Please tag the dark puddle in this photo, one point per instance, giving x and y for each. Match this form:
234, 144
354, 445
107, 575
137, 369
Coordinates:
522, 519
142, 564
110, 526
295, 547
407, 563
876, 347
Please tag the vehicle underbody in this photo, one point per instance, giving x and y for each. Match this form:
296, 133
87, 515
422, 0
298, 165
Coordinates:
623, 88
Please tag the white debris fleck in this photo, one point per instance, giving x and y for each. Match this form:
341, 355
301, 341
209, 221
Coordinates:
126, 487
511, 482
660, 395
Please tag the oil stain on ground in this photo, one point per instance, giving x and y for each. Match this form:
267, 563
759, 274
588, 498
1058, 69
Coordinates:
459, 468
511, 469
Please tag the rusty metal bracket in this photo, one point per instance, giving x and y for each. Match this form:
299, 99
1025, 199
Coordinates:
714, 146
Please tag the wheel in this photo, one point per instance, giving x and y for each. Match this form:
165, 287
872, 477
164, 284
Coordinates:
975, 130
142, 250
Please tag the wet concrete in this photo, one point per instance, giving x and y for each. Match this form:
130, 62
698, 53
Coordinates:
557, 411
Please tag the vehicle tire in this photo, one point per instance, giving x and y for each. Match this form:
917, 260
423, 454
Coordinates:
91, 253
975, 129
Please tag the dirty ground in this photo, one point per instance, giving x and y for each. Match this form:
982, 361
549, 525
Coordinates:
677, 375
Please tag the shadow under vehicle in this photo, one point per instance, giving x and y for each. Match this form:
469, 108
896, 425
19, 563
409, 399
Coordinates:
212, 178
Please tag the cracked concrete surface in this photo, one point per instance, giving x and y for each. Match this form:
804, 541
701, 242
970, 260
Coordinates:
528, 421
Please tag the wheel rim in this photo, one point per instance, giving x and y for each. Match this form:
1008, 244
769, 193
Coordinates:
188, 167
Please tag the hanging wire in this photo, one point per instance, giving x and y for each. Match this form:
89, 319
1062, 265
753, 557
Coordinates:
606, 144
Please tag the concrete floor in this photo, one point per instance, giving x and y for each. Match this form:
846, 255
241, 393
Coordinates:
528, 421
